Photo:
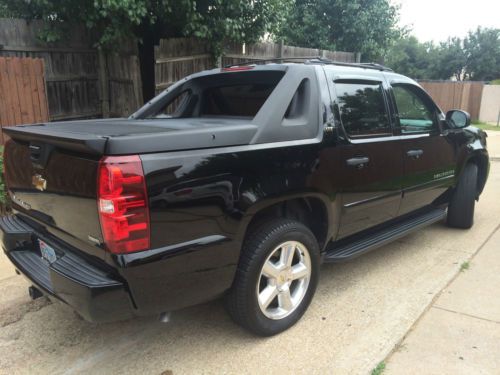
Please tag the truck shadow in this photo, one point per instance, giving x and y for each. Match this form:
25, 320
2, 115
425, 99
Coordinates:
59, 336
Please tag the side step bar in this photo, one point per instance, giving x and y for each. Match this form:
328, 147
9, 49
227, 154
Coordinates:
345, 251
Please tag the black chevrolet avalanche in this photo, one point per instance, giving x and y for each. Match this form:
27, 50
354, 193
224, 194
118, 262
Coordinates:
237, 183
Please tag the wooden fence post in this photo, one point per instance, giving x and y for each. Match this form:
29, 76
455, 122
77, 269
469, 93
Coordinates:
103, 83
281, 49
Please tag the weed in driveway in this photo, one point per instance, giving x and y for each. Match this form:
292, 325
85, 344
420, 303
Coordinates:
379, 369
464, 266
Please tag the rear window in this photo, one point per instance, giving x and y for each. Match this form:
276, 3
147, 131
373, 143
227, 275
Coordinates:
237, 100
240, 94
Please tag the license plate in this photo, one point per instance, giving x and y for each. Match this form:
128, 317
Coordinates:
48, 253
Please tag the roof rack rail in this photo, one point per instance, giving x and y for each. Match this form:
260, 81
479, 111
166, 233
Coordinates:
272, 59
311, 60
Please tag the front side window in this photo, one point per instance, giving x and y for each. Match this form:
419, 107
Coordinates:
362, 108
414, 113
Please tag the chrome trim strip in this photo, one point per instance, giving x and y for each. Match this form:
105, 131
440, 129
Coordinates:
372, 199
429, 184
388, 138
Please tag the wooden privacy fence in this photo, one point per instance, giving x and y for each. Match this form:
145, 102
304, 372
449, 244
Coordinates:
22, 92
456, 95
81, 82
179, 57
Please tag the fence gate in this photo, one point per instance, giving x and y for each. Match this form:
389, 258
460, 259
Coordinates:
23, 98
81, 81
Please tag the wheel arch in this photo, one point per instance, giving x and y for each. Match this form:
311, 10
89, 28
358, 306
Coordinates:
313, 210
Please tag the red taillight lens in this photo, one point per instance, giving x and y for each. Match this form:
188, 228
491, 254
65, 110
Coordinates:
237, 68
123, 204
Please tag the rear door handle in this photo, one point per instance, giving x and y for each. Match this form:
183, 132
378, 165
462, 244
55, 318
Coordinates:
415, 154
358, 163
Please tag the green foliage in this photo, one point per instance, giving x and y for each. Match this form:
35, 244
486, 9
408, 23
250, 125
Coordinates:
483, 54
495, 82
486, 127
426, 60
409, 57
448, 60
219, 21
366, 26
464, 266
476, 57
379, 369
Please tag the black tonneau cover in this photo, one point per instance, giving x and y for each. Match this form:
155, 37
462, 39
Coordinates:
130, 136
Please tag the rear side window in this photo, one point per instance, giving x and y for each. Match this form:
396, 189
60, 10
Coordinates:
173, 107
362, 108
414, 112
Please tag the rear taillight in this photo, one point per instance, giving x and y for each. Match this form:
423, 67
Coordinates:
123, 204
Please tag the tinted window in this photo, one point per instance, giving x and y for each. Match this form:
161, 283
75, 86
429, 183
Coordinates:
172, 108
238, 94
362, 108
414, 113
237, 100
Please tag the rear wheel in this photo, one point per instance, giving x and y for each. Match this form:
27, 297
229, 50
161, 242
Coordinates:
461, 207
276, 277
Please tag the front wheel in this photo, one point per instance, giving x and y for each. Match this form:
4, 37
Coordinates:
276, 278
461, 207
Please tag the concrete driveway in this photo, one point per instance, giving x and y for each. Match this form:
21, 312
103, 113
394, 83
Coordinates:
361, 311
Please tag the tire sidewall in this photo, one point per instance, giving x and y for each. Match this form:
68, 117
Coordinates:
461, 208
292, 232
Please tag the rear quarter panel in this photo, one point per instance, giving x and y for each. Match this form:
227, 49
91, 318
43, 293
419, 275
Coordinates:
201, 203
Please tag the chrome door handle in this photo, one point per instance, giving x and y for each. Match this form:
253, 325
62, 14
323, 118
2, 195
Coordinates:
415, 154
358, 163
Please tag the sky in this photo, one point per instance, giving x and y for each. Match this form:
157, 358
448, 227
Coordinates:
436, 20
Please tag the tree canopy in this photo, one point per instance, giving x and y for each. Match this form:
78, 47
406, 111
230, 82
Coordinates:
482, 47
217, 21
366, 26
476, 57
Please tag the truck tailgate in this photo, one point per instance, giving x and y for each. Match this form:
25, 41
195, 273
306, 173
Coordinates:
56, 187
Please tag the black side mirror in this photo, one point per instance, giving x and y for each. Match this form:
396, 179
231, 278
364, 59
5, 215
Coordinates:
458, 118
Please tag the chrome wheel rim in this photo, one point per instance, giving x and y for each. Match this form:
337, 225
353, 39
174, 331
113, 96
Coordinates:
284, 279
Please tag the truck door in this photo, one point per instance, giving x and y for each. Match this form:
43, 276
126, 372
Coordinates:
429, 156
371, 167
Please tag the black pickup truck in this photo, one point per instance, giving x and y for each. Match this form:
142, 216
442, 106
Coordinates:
235, 182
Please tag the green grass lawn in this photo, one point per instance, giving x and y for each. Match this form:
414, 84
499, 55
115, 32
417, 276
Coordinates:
482, 125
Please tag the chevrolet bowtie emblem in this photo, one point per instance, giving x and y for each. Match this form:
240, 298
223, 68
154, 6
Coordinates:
39, 182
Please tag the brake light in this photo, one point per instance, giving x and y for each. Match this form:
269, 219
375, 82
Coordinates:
237, 68
123, 204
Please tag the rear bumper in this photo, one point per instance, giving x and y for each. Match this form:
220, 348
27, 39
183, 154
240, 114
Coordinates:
96, 294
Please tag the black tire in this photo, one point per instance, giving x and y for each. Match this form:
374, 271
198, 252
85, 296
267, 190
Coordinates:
242, 303
461, 207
